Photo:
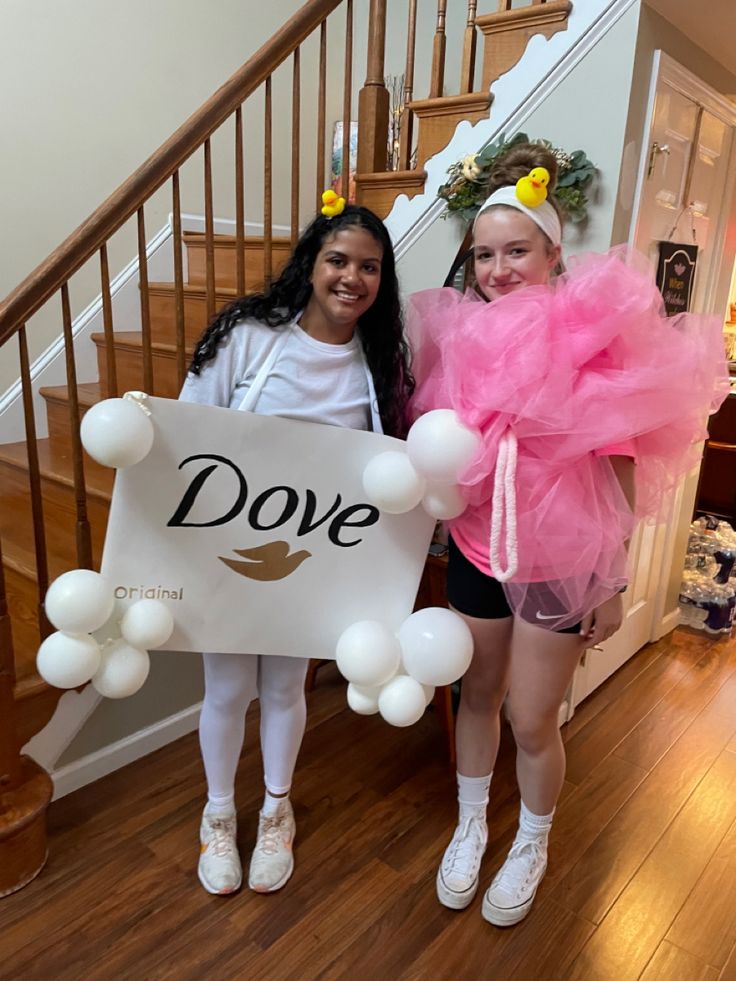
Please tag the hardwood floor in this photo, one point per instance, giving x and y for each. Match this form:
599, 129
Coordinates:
641, 881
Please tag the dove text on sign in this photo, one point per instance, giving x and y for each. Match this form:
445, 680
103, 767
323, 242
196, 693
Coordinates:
272, 507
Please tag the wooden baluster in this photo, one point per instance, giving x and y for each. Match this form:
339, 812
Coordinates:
145, 306
209, 232
34, 480
267, 187
295, 144
84, 540
239, 204
373, 101
407, 116
110, 356
181, 342
438, 52
321, 103
9, 757
467, 72
346, 101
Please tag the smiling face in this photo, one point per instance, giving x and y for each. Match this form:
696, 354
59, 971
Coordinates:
345, 281
510, 252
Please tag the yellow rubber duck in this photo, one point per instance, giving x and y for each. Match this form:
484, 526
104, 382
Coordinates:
332, 204
532, 190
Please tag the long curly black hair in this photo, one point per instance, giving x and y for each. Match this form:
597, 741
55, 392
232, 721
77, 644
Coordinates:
380, 329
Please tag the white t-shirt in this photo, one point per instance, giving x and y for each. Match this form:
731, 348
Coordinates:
311, 380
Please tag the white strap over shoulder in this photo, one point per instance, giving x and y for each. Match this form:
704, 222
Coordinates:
503, 509
252, 395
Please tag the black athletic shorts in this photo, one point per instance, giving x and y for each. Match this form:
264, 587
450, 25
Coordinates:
475, 594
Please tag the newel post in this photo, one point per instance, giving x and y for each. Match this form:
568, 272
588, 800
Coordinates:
373, 101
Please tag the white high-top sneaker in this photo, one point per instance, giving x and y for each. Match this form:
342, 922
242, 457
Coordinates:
457, 876
512, 891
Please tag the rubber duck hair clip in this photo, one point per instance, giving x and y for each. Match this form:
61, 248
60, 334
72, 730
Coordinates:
332, 204
532, 189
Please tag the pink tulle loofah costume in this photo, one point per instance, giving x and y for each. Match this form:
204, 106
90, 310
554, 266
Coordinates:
557, 378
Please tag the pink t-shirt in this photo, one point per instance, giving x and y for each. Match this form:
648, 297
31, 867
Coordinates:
472, 529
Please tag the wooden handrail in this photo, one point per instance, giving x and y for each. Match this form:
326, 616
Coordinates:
27, 298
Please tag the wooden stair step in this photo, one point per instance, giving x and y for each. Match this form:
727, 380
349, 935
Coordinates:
225, 249
162, 306
35, 701
59, 508
129, 362
506, 34
438, 119
379, 191
57, 405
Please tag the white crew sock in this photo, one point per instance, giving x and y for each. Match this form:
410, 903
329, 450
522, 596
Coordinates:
272, 805
472, 795
220, 805
534, 827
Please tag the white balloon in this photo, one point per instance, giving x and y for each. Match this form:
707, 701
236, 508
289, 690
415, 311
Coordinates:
362, 699
79, 601
122, 671
440, 446
368, 653
391, 482
402, 701
443, 501
429, 691
68, 660
146, 624
117, 433
436, 646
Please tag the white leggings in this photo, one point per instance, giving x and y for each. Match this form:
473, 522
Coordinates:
232, 681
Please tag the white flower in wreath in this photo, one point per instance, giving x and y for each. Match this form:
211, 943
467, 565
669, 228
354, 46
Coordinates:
470, 169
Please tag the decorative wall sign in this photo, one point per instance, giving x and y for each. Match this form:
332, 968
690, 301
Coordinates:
256, 532
675, 275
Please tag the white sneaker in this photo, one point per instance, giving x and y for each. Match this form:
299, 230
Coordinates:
457, 876
219, 867
512, 891
272, 861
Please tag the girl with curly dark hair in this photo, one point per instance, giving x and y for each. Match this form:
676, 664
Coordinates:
325, 344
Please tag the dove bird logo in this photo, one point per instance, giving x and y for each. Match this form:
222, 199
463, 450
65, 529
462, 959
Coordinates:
266, 563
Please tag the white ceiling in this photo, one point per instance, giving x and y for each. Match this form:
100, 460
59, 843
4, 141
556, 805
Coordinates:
711, 24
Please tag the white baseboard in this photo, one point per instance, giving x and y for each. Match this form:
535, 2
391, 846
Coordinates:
90, 768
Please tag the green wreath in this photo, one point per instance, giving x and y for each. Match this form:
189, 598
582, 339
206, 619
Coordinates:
465, 190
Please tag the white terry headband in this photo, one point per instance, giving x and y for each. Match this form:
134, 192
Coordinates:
544, 215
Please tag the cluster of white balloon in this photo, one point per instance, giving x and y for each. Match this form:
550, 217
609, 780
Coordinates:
116, 433
396, 674
80, 603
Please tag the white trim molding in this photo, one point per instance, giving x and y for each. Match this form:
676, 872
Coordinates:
118, 754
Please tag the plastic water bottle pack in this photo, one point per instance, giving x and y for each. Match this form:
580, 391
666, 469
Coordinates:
708, 590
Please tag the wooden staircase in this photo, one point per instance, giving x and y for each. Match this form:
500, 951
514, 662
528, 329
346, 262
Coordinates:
35, 700
506, 33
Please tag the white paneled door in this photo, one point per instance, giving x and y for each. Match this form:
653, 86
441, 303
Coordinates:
684, 195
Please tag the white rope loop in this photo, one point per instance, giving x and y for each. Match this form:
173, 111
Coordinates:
503, 509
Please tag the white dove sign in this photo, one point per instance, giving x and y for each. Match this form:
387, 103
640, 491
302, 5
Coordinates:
241, 533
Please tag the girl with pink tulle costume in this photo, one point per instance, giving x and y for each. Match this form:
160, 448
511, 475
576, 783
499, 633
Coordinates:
591, 406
